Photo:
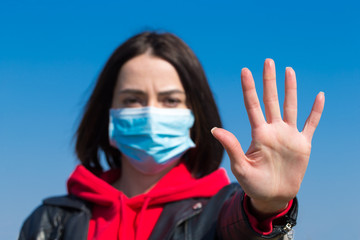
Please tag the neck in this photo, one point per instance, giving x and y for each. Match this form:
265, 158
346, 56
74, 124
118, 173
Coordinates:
133, 182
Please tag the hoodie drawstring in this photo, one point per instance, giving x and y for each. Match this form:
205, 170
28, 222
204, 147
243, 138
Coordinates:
122, 232
141, 217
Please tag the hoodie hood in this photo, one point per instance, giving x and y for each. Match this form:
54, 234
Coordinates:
115, 216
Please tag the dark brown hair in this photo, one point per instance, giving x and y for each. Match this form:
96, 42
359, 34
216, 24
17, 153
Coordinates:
92, 135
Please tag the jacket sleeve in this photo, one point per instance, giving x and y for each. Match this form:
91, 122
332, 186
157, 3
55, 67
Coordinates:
233, 222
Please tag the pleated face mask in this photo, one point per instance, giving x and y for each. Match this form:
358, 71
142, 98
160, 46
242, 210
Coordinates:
151, 138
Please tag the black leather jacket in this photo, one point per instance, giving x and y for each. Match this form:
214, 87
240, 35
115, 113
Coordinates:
68, 218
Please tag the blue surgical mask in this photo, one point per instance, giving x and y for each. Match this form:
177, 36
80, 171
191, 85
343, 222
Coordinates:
151, 138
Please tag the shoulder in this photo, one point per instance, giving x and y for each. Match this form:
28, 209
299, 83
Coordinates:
193, 216
52, 216
213, 205
67, 203
228, 191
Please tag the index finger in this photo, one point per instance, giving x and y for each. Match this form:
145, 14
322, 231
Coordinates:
252, 104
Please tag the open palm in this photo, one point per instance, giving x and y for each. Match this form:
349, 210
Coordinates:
272, 169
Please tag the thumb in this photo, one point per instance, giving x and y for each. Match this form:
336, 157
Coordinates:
230, 143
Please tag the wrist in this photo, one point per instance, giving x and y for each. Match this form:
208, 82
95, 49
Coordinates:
265, 209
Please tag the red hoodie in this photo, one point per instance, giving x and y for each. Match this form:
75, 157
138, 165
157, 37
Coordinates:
115, 216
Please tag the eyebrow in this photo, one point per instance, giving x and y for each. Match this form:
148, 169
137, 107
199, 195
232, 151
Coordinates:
168, 92
131, 91
140, 92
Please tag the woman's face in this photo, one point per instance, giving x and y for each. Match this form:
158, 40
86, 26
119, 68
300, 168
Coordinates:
148, 81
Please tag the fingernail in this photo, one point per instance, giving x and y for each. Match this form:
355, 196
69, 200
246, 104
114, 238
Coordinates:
290, 70
269, 61
213, 129
244, 71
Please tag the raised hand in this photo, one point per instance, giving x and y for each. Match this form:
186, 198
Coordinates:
272, 169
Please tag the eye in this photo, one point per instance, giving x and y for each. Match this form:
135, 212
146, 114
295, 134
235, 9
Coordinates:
171, 102
131, 102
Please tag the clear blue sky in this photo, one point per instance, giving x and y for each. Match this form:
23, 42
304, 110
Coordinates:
52, 51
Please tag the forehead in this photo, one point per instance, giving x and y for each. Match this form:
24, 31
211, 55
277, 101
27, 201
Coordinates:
146, 70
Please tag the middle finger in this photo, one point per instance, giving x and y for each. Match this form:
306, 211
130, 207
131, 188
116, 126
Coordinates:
271, 101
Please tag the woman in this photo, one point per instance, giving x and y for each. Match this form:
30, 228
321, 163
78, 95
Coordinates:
150, 114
